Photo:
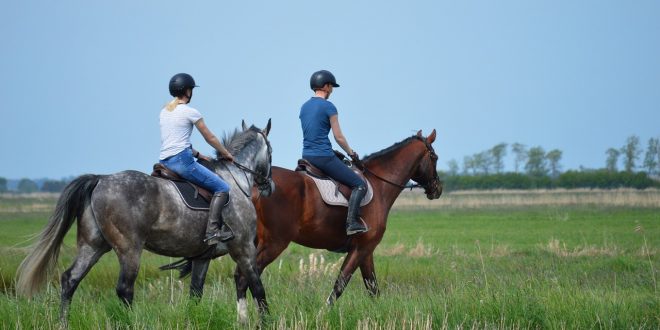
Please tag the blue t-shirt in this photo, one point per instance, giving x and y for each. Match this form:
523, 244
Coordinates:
315, 121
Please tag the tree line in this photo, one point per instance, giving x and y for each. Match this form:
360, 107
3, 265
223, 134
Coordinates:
26, 186
536, 168
533, 168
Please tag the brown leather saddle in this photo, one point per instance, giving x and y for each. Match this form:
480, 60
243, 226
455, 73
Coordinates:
307, 167
191, 193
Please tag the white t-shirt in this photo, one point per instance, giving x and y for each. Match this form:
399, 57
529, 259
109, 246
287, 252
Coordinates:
175, 129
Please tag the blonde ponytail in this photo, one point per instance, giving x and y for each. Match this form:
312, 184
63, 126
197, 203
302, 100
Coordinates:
172, 104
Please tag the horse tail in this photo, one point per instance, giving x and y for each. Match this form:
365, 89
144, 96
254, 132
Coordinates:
184, 266
37, 266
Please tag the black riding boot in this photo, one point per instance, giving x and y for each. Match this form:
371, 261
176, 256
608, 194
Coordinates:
354, 224
216, 229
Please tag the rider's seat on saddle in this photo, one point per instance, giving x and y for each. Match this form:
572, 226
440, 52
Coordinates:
160, 171
307, 167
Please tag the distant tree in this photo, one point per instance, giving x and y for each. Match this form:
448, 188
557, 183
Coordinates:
652, 157
482, 162
554, 156
630, 153
520, 151
536, 162
27, 186
53, 185
468, 165
612, 159
497, 153
453, 167
3, 185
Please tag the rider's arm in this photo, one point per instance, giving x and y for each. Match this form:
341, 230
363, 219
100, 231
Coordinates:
339, 136
213, 141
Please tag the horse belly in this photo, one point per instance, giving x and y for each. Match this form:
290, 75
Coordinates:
178, 232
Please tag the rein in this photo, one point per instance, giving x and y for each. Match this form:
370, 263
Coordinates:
264, 179
411, 186
247, 169
244, 168
366, 170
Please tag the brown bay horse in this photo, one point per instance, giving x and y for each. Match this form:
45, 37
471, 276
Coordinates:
296, 213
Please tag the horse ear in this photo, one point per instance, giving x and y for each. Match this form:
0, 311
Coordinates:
431, 137
267, 129
245, 128
419, 133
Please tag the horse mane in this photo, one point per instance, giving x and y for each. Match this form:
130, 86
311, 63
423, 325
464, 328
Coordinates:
238, 139
390, 148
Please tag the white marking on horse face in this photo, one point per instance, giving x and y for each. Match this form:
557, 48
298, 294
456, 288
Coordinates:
241, 307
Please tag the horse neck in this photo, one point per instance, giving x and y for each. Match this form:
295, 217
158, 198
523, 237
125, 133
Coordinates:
397, 166
247, 157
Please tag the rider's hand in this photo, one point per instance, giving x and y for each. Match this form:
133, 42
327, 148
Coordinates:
228, 157
356, 161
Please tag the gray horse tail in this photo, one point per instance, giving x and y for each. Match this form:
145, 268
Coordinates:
37, 266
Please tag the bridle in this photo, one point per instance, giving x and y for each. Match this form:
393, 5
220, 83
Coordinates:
429, 187
262, 181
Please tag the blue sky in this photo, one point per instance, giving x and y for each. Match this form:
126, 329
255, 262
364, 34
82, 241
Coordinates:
83, 81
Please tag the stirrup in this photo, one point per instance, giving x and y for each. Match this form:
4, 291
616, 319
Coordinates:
358, 229
224, 234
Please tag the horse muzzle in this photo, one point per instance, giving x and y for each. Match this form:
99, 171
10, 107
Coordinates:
435, 190
267, 188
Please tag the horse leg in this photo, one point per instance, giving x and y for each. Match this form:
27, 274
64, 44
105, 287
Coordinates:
199, 270
91, 246
129, 265
347, 269
87, 257
369, 275
248, 269
241, 290
265, 255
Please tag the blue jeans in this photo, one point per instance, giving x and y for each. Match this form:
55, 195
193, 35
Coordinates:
184, 165
336, 169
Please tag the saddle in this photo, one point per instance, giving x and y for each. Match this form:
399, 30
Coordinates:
194, 196
333, 192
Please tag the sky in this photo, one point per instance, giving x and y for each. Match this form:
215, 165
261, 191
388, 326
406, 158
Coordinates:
83, 82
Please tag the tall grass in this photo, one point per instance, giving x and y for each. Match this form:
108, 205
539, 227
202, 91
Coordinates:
515, 266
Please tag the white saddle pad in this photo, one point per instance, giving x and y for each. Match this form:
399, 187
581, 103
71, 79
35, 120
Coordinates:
332, 196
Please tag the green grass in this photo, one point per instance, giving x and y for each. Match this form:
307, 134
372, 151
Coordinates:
504, 267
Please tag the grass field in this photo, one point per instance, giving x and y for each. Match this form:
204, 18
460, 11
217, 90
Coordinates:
547, 259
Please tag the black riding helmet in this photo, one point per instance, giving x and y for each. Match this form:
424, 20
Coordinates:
320, 78
180, 82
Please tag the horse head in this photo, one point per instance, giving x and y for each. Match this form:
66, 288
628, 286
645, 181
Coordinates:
426, 174
263, 160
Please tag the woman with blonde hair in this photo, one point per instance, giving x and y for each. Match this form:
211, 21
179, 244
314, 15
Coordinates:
177, 119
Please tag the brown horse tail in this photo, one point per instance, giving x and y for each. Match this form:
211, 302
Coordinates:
37, 266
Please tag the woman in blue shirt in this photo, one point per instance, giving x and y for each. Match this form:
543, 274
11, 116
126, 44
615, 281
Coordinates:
317, 117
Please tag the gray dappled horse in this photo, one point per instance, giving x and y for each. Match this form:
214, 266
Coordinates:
131, 211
